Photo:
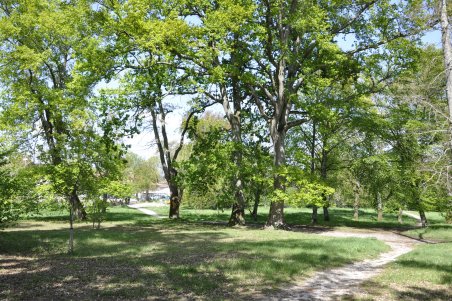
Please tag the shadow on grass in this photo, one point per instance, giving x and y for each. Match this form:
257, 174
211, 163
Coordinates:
406, 292
129, 262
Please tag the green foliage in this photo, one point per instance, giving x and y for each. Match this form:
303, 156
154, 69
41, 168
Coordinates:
97, 210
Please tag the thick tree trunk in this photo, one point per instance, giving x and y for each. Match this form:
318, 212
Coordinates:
314, 215
257, 200
399, 216
276, 214
147, 195
326, 214
174, 201
379, 207
423, 218
77, 206
233, 115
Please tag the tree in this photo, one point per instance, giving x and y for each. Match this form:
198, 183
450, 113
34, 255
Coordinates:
47, 79
295, 46
447, 51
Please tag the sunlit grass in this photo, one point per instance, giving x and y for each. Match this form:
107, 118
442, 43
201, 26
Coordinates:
135, 256
423, 274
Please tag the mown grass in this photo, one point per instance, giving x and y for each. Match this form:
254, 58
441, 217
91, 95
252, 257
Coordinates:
339, 217
423, 274
134, 256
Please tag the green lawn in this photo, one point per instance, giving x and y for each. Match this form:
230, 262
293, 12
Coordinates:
423, 274
134, 256
342, 217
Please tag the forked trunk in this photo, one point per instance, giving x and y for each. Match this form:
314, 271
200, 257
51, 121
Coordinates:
78, 210
314, 215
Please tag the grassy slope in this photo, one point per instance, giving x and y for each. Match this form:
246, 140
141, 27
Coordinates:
136, 257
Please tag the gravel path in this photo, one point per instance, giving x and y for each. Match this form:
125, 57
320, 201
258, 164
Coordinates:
333, 284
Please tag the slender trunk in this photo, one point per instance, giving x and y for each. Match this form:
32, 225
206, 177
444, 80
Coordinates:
356, 190
147, 195
326, 214
77, 206
379, 207
71, 224
257, 197
423, 218
314, 215
399, 216
323, 174
447, 50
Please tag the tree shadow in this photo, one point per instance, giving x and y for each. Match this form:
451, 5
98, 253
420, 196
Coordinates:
154, 262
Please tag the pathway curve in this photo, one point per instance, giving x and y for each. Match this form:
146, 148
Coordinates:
335, 283
139, 206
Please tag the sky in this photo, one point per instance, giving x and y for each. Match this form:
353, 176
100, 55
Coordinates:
143, 144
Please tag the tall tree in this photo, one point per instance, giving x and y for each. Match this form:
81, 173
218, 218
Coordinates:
295, 46
447, 51
44, 60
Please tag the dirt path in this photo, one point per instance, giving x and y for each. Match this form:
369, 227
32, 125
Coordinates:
139, 206
335, 283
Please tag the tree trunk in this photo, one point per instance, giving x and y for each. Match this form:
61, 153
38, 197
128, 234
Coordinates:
423, 218
77, 206
174, 201
379, 207
326, 214
399, 216
356, 203
447, 50
257, 199
72, 205
314, 215
276, 214
148, 197
236, 216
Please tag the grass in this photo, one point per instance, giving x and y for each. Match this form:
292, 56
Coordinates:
339, 217
134, 256
423, 274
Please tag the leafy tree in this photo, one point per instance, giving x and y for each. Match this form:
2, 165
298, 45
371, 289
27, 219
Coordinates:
294, 47
47, 77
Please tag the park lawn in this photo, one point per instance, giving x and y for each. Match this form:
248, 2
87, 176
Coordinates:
423, 274
134, 256
339, 217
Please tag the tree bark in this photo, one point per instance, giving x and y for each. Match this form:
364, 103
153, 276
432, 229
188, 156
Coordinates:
423, 218
323, 173
447, 50
379, 207
314, 215
356, 190
326, 214
257, 197
399, 216
276, 214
